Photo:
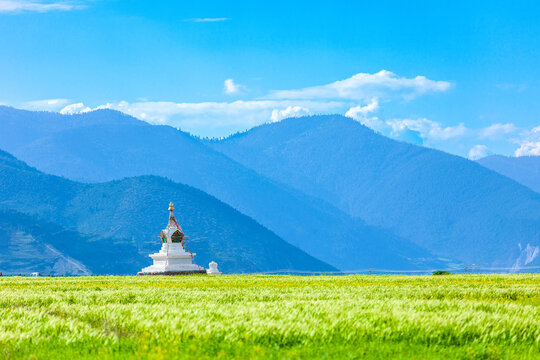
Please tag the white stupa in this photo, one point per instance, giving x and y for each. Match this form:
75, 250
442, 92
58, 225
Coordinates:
173, 258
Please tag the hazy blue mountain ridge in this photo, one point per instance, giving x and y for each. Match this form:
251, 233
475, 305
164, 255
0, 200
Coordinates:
524, 169
117, 147
449, 205
122, 220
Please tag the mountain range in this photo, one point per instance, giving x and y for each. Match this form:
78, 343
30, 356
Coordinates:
446, 204
327, 185
109, 228
106, 145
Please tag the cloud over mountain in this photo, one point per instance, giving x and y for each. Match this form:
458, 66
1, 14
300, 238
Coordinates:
478, 152
364, 86
77, 108
497, 131
357, 96
363, 97
46, 104
530, 144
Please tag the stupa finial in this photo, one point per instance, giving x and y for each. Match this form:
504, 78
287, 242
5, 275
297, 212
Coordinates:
172, 221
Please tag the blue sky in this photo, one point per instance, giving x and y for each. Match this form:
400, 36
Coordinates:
458, 76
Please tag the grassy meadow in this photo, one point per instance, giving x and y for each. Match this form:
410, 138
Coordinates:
256, 316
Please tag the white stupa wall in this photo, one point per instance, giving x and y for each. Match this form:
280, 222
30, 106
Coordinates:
172, 258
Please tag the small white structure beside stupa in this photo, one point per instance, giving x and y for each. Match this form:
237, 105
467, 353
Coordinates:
173, 258
212, 268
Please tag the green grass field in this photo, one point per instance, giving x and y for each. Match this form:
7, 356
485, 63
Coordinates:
252, 316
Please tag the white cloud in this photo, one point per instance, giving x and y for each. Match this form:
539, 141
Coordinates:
428, 129
47, 104
361, 111
417, 131
360, 114
363, 86
529, 143
478, 152
528, 148
232, 88
14, 6
497, 131
288, 112
204, 20
75, 109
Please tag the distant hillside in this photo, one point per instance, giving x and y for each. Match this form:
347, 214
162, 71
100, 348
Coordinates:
30, 244
108, 145
449, 205
525, 169
124, 219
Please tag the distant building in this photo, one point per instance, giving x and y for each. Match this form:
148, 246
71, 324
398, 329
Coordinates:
35, 274
173, 258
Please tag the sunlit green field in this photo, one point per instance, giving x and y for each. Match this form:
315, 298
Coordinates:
251, 316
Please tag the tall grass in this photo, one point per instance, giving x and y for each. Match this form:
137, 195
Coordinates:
254, 316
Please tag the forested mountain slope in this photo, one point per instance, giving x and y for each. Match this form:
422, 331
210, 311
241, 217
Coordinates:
122, 220
524, 169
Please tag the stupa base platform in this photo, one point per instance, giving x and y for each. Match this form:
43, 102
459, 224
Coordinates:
172, 273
